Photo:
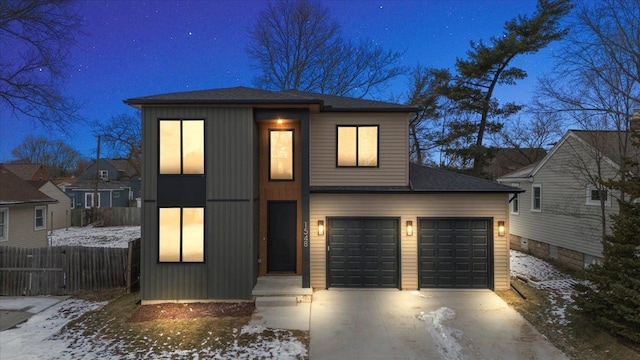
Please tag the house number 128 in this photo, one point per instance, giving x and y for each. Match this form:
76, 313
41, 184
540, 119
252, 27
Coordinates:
305, 233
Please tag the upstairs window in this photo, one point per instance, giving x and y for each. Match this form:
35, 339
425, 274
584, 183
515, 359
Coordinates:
357, 146
536, 198
181, 235
104, 174
280, 154
182, 147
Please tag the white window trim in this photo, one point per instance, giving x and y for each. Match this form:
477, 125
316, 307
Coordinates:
90, 195
44, 218
104, 174
517, 198
5, 236
533, 197
590, 202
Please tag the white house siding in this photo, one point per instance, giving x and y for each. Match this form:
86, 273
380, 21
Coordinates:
408, 207
565, 220
22, 231
393, 155
58, 214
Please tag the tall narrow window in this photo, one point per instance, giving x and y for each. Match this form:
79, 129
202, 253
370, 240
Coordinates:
536, 198
181, 235
281, 154
40, 217
357, 146
4, 224
182, 147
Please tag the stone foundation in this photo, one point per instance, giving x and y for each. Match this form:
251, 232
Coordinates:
561, 256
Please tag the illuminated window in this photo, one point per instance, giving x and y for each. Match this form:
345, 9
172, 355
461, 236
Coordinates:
357, 146
281, 154
181, 235
40, 218
182, 147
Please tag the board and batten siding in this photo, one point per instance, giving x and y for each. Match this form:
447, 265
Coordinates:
408, 207
22, 231
565, 220
228, 271
393, 169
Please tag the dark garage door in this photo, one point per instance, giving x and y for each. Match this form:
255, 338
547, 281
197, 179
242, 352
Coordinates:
362, 252
455, 253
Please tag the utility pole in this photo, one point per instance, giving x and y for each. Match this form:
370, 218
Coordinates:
94, 205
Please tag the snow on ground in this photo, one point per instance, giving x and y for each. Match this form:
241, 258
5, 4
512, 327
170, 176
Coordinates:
33, 339
542, 275
444, 336
41, 338
107, 236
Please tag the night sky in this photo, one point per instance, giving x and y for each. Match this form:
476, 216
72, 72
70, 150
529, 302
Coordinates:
138, 48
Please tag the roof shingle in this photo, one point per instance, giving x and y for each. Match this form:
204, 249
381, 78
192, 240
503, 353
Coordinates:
14, 190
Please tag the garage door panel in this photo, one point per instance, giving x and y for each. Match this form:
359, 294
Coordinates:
372, 252
454, 252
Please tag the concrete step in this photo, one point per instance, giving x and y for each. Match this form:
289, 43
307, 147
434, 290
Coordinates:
269, 301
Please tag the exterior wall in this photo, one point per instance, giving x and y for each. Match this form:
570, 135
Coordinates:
108, 198
393, 157
22, 231
408, 207
90, 171
230, 265
565, 221
59, 214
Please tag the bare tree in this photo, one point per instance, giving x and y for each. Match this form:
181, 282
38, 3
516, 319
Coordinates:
35, 36
58, 158
297, 46
122, 135
539, 132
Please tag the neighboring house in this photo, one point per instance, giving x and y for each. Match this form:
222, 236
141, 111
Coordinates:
241, 183
35, 172
23, 212
507, 160
564, 210
117, 185
59, 214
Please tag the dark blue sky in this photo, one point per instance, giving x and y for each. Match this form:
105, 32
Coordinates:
137, 48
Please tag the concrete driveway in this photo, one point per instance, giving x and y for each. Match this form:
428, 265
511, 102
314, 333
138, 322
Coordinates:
442, 324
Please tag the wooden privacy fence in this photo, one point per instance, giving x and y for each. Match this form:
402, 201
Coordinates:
65, 270
112, 216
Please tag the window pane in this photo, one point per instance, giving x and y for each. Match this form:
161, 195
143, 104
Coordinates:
281, 155
169, 242
39, 217
169, 147
193, 146
193, 234
347, 146
368, 146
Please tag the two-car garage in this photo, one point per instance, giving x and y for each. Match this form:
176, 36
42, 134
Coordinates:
365, 252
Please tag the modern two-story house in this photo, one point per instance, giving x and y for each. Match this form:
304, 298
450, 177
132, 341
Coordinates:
242, 183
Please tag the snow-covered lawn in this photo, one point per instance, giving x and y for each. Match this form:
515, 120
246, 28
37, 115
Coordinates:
107, 236
542, 275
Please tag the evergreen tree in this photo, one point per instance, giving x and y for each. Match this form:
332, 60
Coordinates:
612, 296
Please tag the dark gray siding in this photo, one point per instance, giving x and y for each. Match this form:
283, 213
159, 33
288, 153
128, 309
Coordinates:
229, 268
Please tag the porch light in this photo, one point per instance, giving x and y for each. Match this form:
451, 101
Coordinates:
409, 228
500, 228
320, 227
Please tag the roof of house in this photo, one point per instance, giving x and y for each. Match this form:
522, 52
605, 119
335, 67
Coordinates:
84, 184
507, 160
608, 142
425, 179
23, 170
14, 190
248, 96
